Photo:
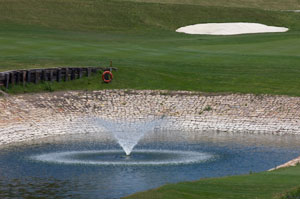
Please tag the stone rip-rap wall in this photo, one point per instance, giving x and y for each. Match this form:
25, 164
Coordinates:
25, 117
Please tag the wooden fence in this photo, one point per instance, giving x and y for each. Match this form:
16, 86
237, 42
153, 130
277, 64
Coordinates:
10, 78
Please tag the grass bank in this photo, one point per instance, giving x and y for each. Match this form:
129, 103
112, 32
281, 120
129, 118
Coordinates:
265, 4
277, 184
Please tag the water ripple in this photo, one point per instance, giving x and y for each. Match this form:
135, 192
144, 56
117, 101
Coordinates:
117, 157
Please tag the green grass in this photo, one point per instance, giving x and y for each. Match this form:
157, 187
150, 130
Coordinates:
141, 41
265, 4
292, 194
126, 16
265, 185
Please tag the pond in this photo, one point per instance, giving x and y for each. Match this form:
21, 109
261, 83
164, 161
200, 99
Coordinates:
93, 166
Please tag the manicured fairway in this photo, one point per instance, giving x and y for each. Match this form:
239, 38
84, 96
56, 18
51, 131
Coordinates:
141, 41
163, 60
265, 4
265, 185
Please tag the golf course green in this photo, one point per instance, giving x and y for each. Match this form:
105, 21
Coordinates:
139, 37
141, 41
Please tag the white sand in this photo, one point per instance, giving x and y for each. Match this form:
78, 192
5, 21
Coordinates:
229, 28
292, 10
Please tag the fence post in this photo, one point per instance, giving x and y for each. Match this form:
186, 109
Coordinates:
89, 71
79, 73
36, 77
67, 74
73, 73
58, 75
17, 77
51, 75
24, 77
44, 75
28, 76
6, 80
13, 78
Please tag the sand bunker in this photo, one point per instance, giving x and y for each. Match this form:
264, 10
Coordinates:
229, 28
293, 10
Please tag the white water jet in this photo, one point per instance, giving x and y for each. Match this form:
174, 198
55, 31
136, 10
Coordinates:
128, 133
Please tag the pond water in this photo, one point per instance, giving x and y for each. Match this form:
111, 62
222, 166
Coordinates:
93, 166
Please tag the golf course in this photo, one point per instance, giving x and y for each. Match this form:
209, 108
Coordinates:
141, 41
140, 38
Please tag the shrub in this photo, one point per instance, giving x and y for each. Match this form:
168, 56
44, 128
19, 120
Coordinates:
49, 87
207, 108
293, 194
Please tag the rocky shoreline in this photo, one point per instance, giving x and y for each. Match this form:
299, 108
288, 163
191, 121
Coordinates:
25, 117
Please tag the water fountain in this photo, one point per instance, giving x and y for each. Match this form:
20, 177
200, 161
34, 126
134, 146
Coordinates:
128, 133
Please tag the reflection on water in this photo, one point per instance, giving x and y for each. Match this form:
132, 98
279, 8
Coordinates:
37, 188
225, 137
23, 177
